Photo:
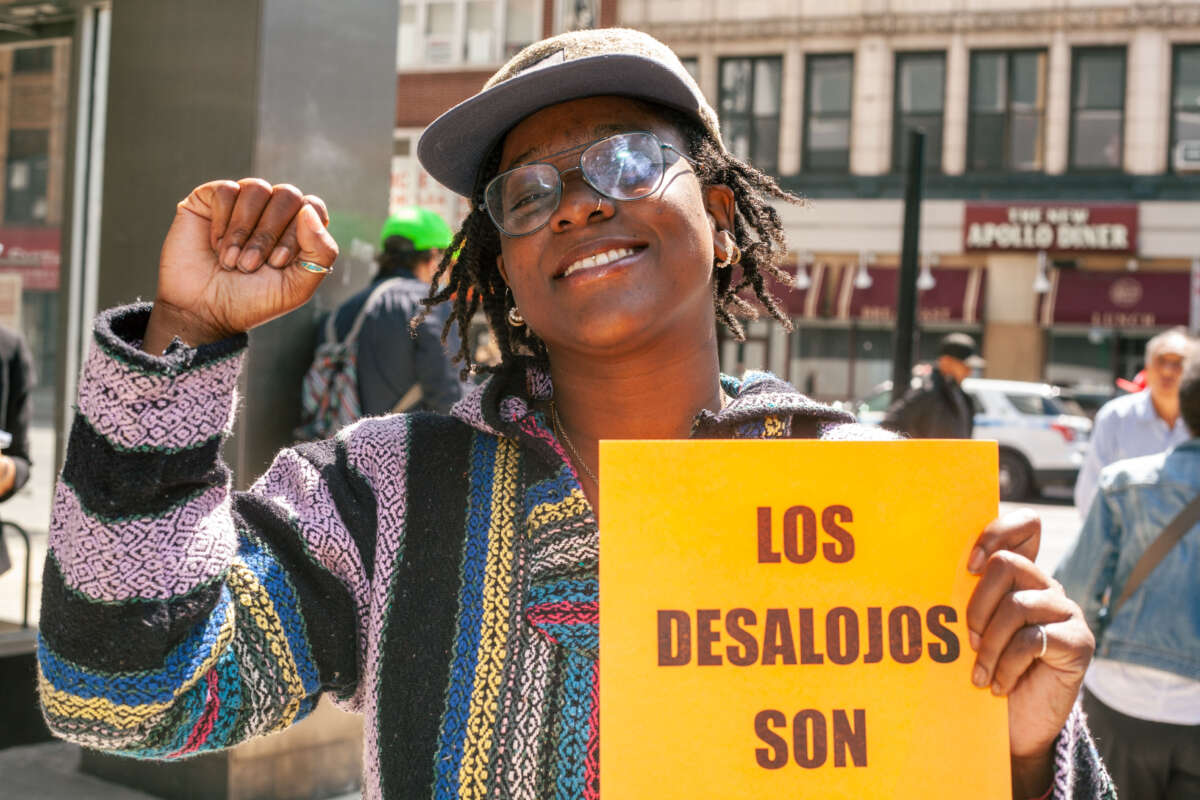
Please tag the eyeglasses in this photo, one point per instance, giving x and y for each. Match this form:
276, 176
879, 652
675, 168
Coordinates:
628, 166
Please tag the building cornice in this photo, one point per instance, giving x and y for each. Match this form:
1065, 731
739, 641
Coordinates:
1097, 18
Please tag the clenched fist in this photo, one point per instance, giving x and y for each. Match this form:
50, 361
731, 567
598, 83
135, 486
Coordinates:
237, 255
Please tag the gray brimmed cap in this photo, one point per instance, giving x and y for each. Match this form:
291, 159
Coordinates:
611, 61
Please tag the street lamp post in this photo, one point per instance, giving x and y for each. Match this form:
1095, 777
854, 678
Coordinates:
906, 300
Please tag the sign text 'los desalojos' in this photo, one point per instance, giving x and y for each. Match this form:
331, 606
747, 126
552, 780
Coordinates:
752, 644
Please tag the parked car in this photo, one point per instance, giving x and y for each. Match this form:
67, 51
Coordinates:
1087, 400
1041, 444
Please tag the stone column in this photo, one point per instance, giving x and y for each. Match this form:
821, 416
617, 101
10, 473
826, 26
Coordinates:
957, 104
1057, 119
1013, 343
1147, 102
871, 112
297, 91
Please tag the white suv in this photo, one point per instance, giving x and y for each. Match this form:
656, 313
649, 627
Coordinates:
1040, 443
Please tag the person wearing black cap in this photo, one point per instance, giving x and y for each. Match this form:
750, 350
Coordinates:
938, 408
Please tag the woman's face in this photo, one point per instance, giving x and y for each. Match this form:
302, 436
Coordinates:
660, 283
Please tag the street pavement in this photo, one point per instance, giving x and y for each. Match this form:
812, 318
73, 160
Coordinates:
1060, 525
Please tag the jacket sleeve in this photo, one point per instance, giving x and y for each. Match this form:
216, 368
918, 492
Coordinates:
1079, 773
1086, 572
21, 379
179, 616
907, 415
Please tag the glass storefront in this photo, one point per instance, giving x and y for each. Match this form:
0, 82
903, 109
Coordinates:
34, 104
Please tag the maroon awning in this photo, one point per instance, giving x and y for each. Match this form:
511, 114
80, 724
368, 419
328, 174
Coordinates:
1115, 299
956, 297
803, 302
796, 302
32, 253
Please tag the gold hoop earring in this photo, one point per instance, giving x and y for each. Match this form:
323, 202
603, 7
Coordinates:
514, 314
733, 253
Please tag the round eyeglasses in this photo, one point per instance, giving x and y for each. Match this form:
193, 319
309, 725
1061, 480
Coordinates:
627, 166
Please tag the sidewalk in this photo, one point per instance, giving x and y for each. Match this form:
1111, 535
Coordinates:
50, 771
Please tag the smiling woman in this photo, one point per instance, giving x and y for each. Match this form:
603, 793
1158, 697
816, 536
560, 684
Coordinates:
439, 574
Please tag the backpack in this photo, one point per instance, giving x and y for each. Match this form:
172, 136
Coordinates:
329, 394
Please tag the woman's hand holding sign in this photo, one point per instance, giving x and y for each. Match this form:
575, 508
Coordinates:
237, 255
1031, 641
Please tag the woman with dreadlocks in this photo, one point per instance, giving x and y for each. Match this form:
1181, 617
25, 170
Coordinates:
439, 574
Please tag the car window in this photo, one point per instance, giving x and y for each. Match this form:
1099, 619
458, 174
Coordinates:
879, 401
1035, 404
1026, 403
1053, 406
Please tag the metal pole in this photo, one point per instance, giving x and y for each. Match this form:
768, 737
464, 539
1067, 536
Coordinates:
906, 300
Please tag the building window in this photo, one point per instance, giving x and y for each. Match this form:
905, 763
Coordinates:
1008, 100
920, 100
1097, 108
465, 32
574, 15
26, 177
33, 59
749, 104
692, 65
829, 82
1185, 109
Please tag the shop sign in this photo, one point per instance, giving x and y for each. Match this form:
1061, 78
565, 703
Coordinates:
1116, 299
780, 635
1024, 227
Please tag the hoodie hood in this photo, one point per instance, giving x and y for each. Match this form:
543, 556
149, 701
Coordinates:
761, 407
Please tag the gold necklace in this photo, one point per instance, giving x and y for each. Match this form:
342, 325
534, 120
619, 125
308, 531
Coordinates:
561, 433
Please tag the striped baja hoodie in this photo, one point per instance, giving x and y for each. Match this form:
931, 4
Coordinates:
436, 574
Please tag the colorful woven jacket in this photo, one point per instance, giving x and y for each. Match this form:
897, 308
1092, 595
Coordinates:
436, 574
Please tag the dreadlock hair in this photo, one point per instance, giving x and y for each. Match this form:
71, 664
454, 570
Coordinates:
474, 281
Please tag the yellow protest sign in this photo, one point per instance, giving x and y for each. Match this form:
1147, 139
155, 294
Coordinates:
787, 618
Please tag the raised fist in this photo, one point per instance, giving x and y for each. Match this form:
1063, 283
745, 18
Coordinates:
237, 255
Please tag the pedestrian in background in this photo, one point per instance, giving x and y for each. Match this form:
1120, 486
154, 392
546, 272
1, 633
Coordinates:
1142, 692
16, 381
402, 367
1138, 424
939, 408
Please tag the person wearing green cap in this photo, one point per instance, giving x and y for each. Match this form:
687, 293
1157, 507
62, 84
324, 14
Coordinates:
399, 370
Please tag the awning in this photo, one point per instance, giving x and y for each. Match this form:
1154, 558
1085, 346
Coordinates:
803, 302
956, 297
1115, 299
32, 253
796, 302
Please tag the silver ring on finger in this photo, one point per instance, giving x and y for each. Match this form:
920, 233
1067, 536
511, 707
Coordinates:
1045, 640
320, 269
